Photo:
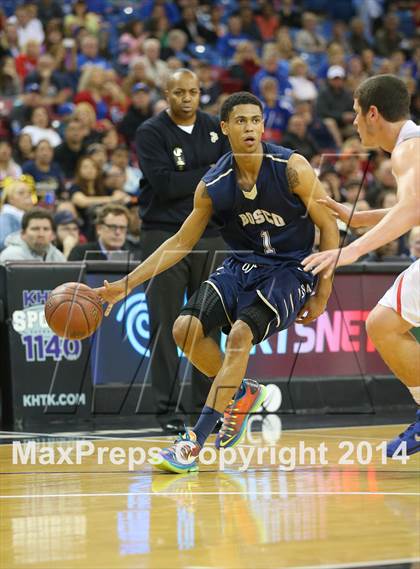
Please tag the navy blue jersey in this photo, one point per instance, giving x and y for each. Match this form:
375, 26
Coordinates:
267, 225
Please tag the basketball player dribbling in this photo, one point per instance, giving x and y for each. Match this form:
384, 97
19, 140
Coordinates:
382, 107
265, 200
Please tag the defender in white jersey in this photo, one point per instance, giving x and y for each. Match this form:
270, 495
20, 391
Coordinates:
382, 104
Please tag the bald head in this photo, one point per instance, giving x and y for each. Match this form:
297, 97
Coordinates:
178, 76
183, 96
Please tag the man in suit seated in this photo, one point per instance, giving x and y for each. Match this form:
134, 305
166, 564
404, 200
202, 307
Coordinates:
112, 223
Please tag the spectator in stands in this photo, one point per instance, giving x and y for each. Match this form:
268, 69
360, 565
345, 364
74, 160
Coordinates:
110, 139
120, 157
388, 39
35, 240
62, 50
156, 68
290, 14
324, 131
369, 62
284, 45
210, 88
303, 89
177, 46
89, 55
130, 42
215, 23
52, 90
137, 74
86, 115
384, 181
353, 192
48, 176
358, 41
8, 167
82, 18
49, 10
335, 57
191, 26
270, 68
114, 97
114, 179
339, 36
97, 152
158, 25
24, 149
414, 243
111, 224
68, 153
27, 60
355, 73
249, 25
331, 182
268, 22
308, 39
9, 79
28, 28
245, 64
40, 128
226, 45
334, 100
90, 90
277, 111
9, 41
88, 191
350, 165
386, 254
18, 196
297, 138
387, 199
67, 232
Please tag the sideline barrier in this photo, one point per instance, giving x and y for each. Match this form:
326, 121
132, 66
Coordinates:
327, 366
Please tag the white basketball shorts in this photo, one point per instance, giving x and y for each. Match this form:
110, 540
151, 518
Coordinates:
404, 295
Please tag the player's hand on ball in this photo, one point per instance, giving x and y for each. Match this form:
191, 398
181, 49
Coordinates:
113, 292
314, 307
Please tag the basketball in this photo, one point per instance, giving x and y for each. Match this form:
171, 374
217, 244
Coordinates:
73, 311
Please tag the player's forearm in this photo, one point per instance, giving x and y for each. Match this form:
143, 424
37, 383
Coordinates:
167, 255
369, 218
328, 239
397, 221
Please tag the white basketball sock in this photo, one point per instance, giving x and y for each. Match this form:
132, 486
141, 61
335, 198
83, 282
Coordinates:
415, 392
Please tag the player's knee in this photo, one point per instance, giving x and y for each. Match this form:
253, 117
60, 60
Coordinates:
376, 326
240, 338
186, 330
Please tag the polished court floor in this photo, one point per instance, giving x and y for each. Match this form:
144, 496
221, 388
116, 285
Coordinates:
318, 498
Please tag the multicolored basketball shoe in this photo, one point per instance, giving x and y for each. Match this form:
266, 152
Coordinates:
182, 456
411, 436
236, 415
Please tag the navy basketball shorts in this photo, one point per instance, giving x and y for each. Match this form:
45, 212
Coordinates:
267, 297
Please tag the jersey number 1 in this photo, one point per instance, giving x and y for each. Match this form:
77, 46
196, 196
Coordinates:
268, 249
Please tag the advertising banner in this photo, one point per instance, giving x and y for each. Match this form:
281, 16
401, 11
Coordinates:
49, 378
49, 375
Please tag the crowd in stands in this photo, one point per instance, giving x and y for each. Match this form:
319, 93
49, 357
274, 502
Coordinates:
78, 77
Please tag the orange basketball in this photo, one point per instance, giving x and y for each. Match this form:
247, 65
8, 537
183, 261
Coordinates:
73, 311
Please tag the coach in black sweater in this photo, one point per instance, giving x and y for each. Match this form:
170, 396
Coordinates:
175, 149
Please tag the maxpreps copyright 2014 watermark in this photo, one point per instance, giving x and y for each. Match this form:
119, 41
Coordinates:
241, 458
